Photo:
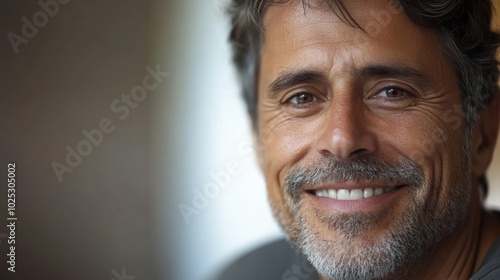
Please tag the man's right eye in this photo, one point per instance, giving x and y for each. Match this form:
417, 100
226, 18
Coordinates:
301, 99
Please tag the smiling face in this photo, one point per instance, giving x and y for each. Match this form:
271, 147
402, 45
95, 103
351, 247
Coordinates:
361, 136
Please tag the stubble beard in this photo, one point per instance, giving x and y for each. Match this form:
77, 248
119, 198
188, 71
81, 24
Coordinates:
348, 254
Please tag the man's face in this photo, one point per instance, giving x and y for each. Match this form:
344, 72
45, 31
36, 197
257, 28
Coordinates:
361, 136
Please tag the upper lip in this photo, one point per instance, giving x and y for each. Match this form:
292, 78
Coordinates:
351, 186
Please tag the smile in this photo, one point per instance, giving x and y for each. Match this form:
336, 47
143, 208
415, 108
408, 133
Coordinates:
353, 194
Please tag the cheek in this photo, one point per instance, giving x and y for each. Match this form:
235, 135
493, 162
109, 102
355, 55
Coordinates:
281, 150
288, 143
435, 145
284, 145
422, 135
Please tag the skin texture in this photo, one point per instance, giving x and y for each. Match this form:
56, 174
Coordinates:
345, 113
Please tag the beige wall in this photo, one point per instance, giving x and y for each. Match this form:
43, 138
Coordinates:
63, 81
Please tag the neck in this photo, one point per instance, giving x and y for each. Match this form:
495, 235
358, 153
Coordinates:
460, 254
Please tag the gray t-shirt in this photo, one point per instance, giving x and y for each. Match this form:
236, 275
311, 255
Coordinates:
490, 268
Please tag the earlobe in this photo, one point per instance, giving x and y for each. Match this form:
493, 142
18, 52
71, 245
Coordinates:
485, 137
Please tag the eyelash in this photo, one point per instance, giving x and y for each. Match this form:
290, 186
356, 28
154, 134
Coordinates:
408, 94
289, 102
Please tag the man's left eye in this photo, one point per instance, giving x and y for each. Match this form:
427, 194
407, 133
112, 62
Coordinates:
394, 92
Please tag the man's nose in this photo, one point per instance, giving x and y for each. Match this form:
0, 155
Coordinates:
346, 134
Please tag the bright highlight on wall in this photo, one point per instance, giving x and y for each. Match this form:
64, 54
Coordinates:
217, 201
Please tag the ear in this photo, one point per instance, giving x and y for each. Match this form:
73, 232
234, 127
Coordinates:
485, 137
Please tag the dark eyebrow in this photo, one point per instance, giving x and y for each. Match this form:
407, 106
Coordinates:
286, 80
397, 71
289, 79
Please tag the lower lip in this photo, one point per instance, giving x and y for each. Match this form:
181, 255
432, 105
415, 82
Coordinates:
371, 204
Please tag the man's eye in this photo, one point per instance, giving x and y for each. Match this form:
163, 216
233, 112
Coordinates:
394, 92
302, 98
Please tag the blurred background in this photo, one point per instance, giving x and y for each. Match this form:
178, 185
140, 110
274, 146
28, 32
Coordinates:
133, 151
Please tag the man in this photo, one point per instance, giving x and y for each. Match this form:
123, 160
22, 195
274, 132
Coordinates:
375, 123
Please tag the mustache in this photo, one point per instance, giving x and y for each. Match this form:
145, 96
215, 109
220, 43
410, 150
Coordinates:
361, 169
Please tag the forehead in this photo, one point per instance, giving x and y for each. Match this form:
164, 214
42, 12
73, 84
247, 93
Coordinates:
313, 36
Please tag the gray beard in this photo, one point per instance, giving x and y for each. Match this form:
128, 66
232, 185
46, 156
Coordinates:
348, 257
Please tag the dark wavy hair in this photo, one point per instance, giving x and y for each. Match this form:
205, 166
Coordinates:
464, 27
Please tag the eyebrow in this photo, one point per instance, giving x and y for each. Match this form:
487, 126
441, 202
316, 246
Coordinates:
290, 79
401, 71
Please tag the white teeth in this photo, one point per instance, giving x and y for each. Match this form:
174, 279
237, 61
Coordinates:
343, 194
355, 194
368, 193
332, 193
